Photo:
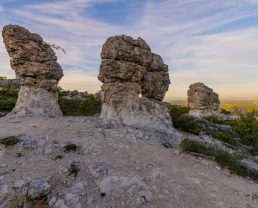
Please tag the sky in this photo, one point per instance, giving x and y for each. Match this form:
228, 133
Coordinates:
209, 41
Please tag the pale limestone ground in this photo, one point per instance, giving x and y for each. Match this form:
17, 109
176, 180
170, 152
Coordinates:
164, 177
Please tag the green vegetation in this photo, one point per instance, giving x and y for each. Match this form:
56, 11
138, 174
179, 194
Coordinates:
73, 169
9, 141
182, 121
8, 99
244, 131
214, 119
247, 129
102, 194
224, 159
70, 147
227, 137
86, 107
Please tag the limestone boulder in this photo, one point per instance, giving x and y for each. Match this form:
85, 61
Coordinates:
125, 48
202, 101
36, 68
33, 60
135, 81
155, 85
120, 71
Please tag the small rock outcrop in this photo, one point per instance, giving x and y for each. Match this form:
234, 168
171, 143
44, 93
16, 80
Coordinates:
36, 68
202, 101
134, 83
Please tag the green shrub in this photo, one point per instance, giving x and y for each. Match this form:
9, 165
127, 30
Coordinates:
247, 129
9, 93
8, 99
214, 119
229, 161
224, 159
194, 146
9, 141
226, 137
177, 111
62, 92
182, 121
70, 147
73, 169
86, 107
7, 105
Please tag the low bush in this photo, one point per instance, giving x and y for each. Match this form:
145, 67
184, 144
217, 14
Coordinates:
86, 107
70, 147
214, 119
224, 159
9, 141
7, 105
8, 99
182, 121
73, 169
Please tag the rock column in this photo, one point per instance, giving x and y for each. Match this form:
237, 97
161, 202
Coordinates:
36, 68
134, 83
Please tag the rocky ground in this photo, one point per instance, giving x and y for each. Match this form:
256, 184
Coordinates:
117, 166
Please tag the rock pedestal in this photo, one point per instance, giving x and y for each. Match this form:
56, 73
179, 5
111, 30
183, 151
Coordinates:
134, 83
36, 68
202, 101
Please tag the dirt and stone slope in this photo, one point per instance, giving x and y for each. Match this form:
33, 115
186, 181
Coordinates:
118, 167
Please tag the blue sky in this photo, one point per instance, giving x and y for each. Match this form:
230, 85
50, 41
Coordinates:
211, 41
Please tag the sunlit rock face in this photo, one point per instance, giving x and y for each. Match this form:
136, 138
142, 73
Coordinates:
36, 68
134, 83
202, 101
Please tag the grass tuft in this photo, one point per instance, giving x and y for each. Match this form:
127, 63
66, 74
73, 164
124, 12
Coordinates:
73, 169
70, 147
9, 141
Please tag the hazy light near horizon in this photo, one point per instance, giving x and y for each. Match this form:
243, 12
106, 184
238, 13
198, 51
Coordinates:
208, 41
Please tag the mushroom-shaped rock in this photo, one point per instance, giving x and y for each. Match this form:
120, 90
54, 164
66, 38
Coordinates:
130, 69
35, 65
202, 101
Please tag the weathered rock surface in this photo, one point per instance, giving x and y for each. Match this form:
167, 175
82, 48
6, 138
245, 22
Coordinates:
35, 65
129, 69
250, 165
202, 101
119, 166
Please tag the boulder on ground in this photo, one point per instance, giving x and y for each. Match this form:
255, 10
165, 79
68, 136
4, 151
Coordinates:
202, 101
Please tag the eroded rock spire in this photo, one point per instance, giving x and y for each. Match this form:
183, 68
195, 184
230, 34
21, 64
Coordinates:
35, 65
129, 69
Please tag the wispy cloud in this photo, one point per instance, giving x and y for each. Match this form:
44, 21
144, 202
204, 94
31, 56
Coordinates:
187, 33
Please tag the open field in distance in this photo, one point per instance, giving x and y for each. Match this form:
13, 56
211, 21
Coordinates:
228, 105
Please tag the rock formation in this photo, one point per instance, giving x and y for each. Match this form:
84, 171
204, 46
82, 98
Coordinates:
202, 101
36, 67
134, 83
9, 83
